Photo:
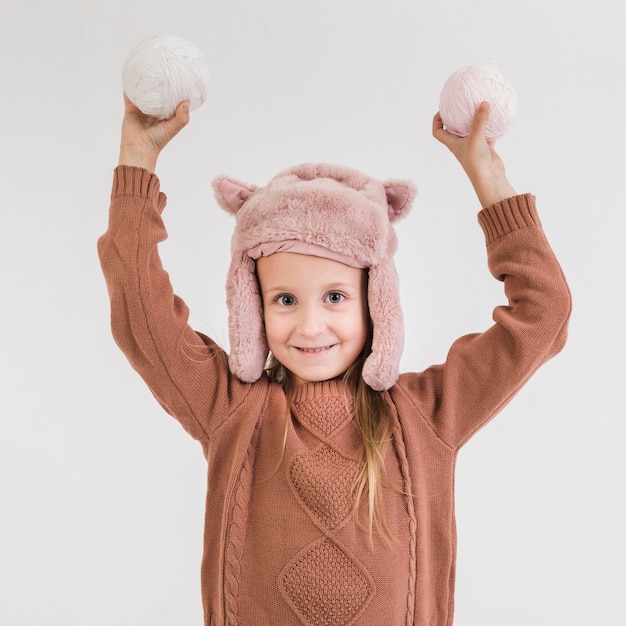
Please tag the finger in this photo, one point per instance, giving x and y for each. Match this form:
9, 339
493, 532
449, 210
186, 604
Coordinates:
439, 132
182, 112
178, 121
181, 116
481, 117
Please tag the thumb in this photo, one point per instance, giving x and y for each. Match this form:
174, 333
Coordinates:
166, 130
481, 117
179, 120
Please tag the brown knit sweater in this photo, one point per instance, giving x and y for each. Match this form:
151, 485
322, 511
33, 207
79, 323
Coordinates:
281, 544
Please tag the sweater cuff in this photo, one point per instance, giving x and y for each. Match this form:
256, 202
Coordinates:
129, 180
508, 215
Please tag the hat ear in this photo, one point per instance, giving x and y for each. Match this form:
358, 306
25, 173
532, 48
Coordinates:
400, 196
231, 194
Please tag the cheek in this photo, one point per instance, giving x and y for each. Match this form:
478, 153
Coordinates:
273, 327
358, 325
366, 327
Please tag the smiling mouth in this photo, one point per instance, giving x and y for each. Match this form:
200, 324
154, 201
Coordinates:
314, 350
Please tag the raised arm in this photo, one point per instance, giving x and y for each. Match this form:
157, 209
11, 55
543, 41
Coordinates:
185, 371
483, 371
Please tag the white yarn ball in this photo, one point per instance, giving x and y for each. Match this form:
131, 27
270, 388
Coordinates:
466, 88
161, 72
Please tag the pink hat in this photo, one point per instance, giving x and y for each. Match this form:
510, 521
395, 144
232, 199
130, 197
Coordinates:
323, 210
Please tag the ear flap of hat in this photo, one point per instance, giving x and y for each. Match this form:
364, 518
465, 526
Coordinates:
248, 346
400, 196
382, 366
231, 194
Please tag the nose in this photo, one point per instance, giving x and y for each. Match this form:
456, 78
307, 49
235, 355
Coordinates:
311, 321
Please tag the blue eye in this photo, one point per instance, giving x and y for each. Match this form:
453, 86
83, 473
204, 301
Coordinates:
286, 300
334, 297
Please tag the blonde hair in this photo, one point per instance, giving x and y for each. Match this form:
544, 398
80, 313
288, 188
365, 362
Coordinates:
374, 422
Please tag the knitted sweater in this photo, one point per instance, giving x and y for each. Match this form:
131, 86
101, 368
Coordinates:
281, 543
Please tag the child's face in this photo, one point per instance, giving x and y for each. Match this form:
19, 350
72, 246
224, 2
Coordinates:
315, 310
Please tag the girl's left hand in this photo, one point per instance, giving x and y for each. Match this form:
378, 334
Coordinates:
143, 137
478, 157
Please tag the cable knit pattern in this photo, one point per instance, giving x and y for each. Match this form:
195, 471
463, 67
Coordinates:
237, 533
398, 440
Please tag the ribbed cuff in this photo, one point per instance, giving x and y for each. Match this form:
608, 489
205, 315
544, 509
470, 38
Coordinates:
508, 215
129, 180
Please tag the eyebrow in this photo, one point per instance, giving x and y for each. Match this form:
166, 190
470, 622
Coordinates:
338, 286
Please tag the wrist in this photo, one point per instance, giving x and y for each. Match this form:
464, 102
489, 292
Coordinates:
138, 157
492, 190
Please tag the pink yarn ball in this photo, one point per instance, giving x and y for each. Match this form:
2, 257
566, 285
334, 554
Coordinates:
466, 88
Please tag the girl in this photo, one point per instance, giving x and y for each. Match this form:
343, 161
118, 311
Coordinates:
330, 476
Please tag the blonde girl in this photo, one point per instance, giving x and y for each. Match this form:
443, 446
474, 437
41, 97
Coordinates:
330, 475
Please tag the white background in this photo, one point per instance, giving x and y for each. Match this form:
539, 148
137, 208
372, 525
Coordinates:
101, 492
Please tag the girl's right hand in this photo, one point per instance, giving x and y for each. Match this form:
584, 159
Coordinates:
143, 137
478, 157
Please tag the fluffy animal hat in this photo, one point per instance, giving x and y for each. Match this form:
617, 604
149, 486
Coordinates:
324, 210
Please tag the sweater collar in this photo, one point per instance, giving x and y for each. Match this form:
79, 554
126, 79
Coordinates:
324, 407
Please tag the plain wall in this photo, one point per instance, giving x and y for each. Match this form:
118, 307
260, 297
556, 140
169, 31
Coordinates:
102, 493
